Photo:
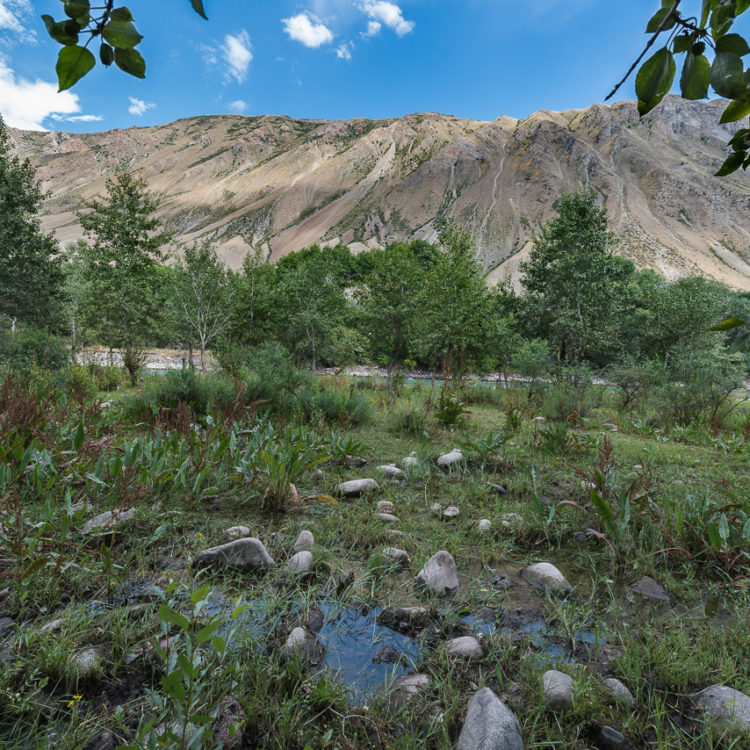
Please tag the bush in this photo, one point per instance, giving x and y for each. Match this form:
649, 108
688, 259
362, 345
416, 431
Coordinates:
636, 380
333, 406
107, 377
80, 383
408, 420
450, 408
572, 396
29, 348
200, 393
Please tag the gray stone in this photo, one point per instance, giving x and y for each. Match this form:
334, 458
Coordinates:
648, 587
52, 627
398, 693
465, 647
610, 427
484, 526
242, 554
449, 459
436, 508
387, 517
88, 662
236, 532
607, 738
396, 533
303, 644
558, 690
489, 725
540, 420
385, 506
410, 461
228, 726
315, 620
390, 470
356, 487
395, 554
439, 573
508, 519
451, 512
305, 541
498, 488
728, 707
106, 520
301, 562
619, 691
546, 576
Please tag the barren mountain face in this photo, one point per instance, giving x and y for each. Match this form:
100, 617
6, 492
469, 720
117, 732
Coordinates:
284, 184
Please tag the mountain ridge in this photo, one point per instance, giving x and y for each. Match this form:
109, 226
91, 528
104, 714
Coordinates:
281, 183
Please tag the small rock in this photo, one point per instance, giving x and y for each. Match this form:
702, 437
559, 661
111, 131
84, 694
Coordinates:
728, 707
449, 459
439, 573
610, 427
648, 587
396, 533
390, 470
305, 542
547, 576
436, 508
540, 420
391, 554
410, 461
103, 741
52, 627
303, 644
301, 562
89, 661
484, 526
607, 738
107, 519
404, 619
489, 725
465, 647
242, 554
6, 625
498, 488
501, 580
401, 691
586, 485
385, 506
619, 691
228, 726
558, 690
387, 517
236, 532
315, 620
508, 519
357, 487
451, 512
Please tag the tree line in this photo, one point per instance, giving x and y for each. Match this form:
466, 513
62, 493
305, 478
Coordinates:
410, 304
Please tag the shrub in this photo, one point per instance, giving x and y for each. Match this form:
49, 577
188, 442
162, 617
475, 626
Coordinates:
29, 348
107, 377
334, 406
572, 396
636, 380
450, 408
80, 383
409, 420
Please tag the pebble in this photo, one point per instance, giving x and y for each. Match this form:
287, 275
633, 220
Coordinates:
449, 459
401, 691
546, 576
651, 589
242, 554
300, 562
387, 517
107, 519
395, 554
489, 725
484, 525
465, 647
451, 512
558, 690
390, 470
305, 541
498, 488
356, 487
236, 532
619, 691
727, 706
385, 506
439, 573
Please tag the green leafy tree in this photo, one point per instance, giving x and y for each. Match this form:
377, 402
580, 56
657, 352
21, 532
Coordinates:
705, 31
31, 280
115, 31
454, 306
120, 266
201, 299
574, 285
253, 301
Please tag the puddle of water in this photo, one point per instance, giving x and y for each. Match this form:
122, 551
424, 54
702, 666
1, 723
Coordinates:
352, 640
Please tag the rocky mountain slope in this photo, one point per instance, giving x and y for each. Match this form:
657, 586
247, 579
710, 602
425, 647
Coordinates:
282, 184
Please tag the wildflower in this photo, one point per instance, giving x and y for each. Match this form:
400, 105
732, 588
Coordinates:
76, 698
200, 536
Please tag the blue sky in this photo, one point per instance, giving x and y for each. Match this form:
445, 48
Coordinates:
330, 59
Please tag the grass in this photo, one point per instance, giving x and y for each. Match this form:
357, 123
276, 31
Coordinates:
185, 487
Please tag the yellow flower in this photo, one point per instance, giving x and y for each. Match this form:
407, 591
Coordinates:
200, 536
73, 702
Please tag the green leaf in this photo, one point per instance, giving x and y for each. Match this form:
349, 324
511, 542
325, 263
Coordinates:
121, 34
121, 14
658, 18
682, 43
57, 30
741, 6
726, 75
219, 644
732, 164
106, 54
200, 594
728, 325
746, 531
173, 686
714, 536
198, 8
705, 13
206, 633
654, 80
79, 11
724, 527
733, 43
72, 64
736, 110
604, 511
695, 73
168, 615
130, 61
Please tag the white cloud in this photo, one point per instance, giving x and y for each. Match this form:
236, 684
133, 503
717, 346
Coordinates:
26, 104
13, 14
138, 107
237, 54
78, 118
389, 14
308, 30
344, 50
238, 105
373, 28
